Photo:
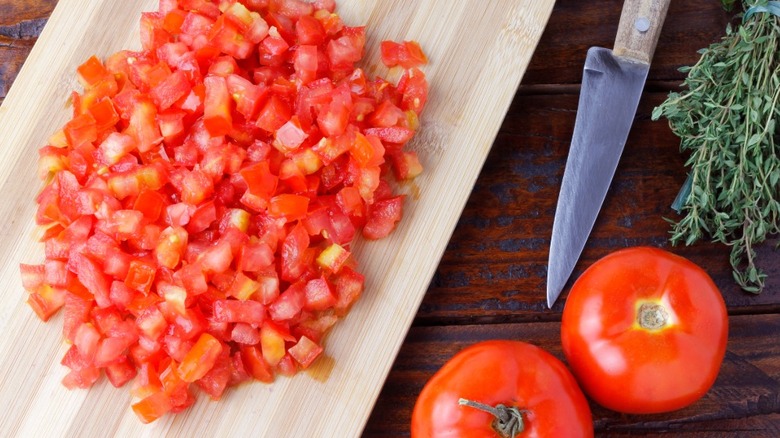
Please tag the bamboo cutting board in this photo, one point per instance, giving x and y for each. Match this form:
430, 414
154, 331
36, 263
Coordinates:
478, 52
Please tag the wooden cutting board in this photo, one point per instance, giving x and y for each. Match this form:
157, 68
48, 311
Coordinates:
478, 53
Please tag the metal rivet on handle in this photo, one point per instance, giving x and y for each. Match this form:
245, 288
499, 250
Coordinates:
642, 24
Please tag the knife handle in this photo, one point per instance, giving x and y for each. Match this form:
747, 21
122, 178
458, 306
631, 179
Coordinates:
639, 28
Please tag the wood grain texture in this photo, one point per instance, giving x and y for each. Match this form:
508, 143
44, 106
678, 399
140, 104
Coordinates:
20, 24
577, 25
490, 281
639, 27
466, 106
494, 269
744, 401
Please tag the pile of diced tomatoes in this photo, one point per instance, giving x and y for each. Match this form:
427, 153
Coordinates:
200, 204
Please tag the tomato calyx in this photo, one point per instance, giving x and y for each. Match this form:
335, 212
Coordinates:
508, 422
652, 316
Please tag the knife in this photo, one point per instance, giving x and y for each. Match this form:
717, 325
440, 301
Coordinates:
612, 84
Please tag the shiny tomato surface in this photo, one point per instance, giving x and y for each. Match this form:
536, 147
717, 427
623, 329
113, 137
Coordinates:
644, 331
511, 373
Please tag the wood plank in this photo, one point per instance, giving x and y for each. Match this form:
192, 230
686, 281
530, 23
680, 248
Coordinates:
21, 21
494, 269
576, 25
745, 398
573, 27
463, 115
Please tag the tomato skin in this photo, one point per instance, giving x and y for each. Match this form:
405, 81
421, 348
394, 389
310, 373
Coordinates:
631, 369
512, 373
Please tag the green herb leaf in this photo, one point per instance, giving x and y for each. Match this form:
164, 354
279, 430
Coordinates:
727, 123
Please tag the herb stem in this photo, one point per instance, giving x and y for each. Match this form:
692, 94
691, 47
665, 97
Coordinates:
727, 121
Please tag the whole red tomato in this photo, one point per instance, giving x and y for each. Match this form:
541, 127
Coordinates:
644, 331
537, 394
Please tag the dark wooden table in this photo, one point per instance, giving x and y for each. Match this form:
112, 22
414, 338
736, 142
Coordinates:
491, 280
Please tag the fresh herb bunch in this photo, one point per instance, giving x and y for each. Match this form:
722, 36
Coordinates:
727, 119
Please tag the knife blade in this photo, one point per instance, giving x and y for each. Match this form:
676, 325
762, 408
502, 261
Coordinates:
612, 85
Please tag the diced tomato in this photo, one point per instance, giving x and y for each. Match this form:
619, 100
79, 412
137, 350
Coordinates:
319, 295
82, 378
217, 378
111, 349
408, 54
147, 381
367, 151
246, 95
200, 359
151, 322
92, 277
171, 89
289, 206
292, 258
273, 48
257, 29
254, 257
414, 89
196, 187
289, 303
104, 113
305, 351
226, 36
349, 286
174, 295
332, 258
392, 134
201, 201
81, 129
346, 50
272, 339
152, 407
382, 217
91, 72
269, 287
142, 126
305, 63
150, 203
406, 165
250, 312
171, 246
120, 372
273, 114
202, 218
33, 276
259, 180
46, 301
289, 136
77, 311
309, 30
216, 110
176, 348
287, 366
152, 33
192, 279
244, 333
140, 276
368, 181
256, 364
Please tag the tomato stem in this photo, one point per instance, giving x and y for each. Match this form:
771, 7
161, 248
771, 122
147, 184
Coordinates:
508, 421
652, 316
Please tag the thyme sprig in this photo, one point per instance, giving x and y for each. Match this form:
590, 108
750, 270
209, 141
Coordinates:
727, 120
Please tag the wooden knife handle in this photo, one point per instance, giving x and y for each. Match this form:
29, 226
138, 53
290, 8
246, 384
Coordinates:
640, 25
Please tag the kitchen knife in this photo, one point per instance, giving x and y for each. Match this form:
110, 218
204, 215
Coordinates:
612, 84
